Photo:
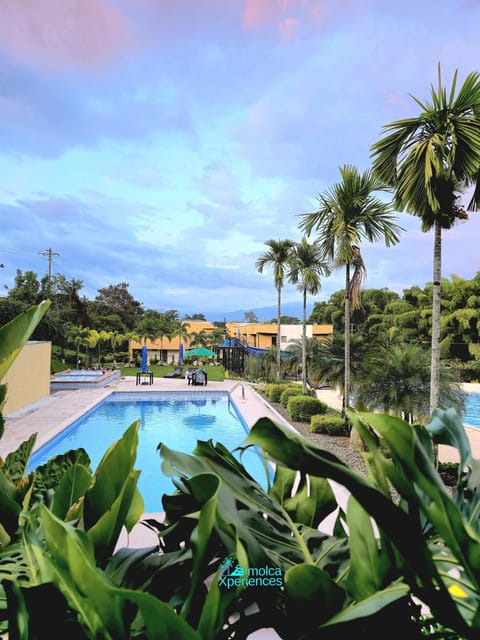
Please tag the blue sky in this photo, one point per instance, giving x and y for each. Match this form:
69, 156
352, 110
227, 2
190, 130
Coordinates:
162, 142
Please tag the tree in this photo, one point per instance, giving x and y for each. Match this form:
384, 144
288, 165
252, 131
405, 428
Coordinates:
276, 256
117, 299
397, 381
27, 288
250, 316
349, 213
429, 160
306, 266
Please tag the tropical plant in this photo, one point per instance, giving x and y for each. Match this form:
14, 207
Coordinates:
79, 336
329, 360
295, 351
396, 380
430, 160
348, 213
276, 257
306, 266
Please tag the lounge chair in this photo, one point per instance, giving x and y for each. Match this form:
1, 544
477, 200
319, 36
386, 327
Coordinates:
189, 374
199, 377
318, 385
176, 373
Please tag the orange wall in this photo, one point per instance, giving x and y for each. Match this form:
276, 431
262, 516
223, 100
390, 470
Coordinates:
195, 326
28, 379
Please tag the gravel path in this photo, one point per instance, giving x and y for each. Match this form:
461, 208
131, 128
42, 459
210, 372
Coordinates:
337, 445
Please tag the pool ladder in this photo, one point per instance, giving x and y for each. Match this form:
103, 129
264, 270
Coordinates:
239, 384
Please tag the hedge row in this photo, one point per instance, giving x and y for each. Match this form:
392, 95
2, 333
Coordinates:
274, 391
331, 425
302, 408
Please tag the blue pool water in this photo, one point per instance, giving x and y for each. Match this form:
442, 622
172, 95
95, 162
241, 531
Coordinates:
471, 417
177, 419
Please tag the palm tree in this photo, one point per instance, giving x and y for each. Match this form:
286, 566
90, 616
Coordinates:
181, 330
295, 351
428, 160
397, 381
349, 213
329, 360
306, 266
276, 256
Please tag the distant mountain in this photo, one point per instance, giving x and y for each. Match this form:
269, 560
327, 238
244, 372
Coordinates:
264, 314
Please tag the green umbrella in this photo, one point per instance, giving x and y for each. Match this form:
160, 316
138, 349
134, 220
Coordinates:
201, 352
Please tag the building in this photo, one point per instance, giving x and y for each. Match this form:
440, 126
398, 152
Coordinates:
166, 349
264, 335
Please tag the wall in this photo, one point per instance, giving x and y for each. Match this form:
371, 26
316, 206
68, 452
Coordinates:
28, 379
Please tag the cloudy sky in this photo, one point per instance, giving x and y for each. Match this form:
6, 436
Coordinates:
162, 142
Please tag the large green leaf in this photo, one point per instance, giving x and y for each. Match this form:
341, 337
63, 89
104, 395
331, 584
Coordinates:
16, 462
434, 500
243, 507
312, 597
370, 564
112, 501
296, 452
204, 488
103, 607
15, 334
49, 475
111, 474
368, 606
73, 485
104, 533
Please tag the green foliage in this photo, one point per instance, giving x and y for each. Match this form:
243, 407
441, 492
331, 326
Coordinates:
274, 391
302, 408
332, 425
287, 393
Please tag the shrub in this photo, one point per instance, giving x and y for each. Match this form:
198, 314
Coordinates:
274, 391
302, 408
332, 425
288, 393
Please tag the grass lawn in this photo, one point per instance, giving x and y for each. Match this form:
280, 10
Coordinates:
214, 373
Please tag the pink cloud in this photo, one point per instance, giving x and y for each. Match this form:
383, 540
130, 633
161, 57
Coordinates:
286, 16
72, 33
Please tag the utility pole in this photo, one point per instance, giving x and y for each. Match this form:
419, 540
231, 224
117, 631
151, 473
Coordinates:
48, 253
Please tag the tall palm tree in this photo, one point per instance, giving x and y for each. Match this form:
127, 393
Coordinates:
348, 213
428, 160
306, 266
276, 256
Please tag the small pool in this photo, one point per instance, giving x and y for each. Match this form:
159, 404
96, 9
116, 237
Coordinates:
177, 419
471, 417
81, 378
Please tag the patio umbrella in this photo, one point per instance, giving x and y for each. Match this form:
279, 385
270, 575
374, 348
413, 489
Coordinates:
201, 352
180, 353
144, 359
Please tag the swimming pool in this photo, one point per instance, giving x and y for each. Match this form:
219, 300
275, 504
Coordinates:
471, 417
177, 419
80, 378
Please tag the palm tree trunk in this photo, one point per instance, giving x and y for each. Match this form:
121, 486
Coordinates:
279, 316
347, 384
304, 343
435, 362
